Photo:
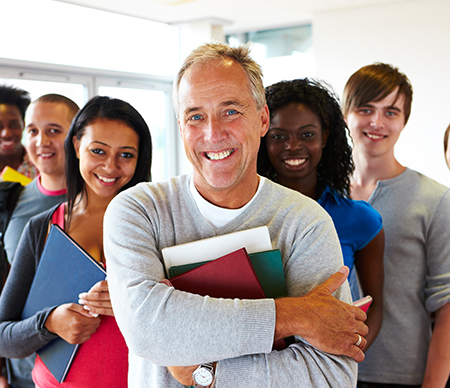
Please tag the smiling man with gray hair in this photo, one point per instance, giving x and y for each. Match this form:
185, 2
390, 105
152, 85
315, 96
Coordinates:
175, 336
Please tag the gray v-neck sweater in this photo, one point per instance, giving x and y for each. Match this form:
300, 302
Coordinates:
163, 326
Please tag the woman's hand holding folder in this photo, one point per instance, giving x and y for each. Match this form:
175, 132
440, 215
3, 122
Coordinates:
72, 323
75, 323
97, 300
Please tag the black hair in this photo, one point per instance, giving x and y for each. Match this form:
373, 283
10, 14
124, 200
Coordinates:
111, 109
10, 95
336, 165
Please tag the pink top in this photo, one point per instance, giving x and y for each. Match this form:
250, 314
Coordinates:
49, 192
101, 362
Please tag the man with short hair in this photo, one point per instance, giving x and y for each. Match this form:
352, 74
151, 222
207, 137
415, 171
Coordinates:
220, 103
48, 120
13, 104
415, 210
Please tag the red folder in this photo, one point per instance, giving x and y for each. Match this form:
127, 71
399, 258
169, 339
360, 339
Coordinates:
230, 276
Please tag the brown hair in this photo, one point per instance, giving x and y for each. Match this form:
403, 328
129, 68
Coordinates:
60, 99
447, 132
216, 52
373, 83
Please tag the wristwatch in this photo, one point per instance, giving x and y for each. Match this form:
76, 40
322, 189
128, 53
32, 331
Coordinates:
204, 375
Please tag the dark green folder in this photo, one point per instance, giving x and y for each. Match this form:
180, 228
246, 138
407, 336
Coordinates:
268, 266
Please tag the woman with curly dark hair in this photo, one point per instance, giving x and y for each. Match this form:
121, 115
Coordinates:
306, 149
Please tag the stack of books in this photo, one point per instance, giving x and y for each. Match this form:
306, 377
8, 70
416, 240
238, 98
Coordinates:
229, 271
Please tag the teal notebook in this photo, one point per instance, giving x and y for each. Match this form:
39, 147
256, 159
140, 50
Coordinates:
268, 266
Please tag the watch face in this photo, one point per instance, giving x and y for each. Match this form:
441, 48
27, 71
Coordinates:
203, 377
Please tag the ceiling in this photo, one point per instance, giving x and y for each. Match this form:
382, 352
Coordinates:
234, 15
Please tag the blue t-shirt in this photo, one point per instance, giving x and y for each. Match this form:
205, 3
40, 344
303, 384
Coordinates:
356, 223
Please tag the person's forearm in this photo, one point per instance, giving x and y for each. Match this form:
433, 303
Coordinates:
327, 323
252, 370
438, 363
228, 328
370, 267
21, 339
373, 322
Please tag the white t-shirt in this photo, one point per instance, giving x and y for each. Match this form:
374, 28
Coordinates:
215, 215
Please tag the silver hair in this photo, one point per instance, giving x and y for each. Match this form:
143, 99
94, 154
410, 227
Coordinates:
213, 52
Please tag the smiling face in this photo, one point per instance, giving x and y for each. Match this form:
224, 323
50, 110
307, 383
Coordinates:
221, 129
108, 153
47, 125
11, 127
376, 126
294, 144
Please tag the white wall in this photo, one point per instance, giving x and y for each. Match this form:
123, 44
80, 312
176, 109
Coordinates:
58, 33
413, 35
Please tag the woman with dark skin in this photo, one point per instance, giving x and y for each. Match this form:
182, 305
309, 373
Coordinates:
306, 149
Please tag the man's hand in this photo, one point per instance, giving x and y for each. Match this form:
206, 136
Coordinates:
325, 322
3, 382
72, 323
3, 379
183, 374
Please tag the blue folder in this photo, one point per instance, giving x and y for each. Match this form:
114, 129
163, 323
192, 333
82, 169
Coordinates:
64, 271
